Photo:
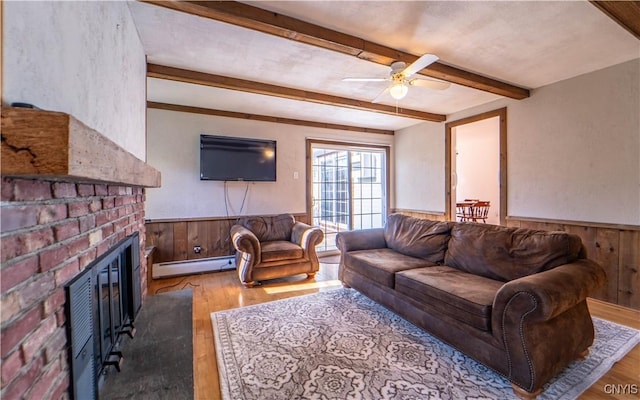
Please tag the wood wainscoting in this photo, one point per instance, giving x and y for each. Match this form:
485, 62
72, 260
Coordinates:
174, 239
434, 216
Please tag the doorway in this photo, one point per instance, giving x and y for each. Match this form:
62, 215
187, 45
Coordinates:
475, 163
348, 188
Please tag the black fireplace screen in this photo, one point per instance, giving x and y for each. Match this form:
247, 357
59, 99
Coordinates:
102, 303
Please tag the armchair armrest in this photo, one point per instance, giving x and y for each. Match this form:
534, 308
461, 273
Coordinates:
306, 236
248, 253
245, 241
361, 240
552, 292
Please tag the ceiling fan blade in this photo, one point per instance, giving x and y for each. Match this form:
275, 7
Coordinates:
431, 84
381, 95
364, 79
418, 64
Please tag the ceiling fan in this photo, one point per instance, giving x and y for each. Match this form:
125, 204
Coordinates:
400, 78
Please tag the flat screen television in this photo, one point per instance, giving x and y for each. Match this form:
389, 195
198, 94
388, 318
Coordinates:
225, 158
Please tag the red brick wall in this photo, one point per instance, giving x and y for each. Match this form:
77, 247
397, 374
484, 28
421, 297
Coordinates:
49, 232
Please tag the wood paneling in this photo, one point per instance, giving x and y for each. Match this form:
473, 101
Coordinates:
174, 240
614, 247
180, 241
160, 236
422, 214
607, 255
629, 278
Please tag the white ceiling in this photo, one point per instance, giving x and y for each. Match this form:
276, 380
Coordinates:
529, 44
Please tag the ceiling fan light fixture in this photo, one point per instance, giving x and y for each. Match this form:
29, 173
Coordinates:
398, 90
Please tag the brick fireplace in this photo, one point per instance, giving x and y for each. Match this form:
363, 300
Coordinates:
52, 230
69, 195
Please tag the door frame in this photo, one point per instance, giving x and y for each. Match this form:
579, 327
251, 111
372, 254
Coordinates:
502, 114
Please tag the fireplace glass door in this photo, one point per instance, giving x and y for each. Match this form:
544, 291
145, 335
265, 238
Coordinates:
109, 306
115, 299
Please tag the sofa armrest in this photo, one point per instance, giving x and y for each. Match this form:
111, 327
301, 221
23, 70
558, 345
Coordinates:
365, 239
543, 321
552, 292
245, 241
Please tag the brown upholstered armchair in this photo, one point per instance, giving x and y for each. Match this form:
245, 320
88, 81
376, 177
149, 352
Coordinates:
274, 247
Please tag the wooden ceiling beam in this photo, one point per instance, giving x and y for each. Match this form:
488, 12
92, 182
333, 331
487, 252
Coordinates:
267, 118
225, 82
625, 13
290, 28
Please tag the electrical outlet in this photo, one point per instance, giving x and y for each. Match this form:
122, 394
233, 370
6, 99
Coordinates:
197, 249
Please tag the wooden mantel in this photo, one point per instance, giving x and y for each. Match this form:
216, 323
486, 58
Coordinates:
55, 145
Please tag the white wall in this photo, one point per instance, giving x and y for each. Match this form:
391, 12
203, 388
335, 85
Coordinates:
173, 148
419, 167
477, 163
573, 150
81, 58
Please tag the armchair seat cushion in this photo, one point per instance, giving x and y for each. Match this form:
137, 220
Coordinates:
380, 265
465, 297
279, 250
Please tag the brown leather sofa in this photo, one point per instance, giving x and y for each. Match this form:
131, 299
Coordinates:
274, 247
512, 299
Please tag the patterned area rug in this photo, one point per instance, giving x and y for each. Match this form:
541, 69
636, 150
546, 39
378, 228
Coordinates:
342, 345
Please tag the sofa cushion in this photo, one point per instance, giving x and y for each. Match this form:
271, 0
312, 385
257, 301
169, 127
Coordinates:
465, 297
506, 254
417, 237
266, 229
380, 265
279, 250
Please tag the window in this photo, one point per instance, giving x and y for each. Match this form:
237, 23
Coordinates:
348, 188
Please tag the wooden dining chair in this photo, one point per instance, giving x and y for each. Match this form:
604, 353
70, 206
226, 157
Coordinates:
480, 211
464, 211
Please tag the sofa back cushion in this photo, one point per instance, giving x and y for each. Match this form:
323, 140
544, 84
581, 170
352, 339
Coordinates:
505, 254
416, 237
267, 229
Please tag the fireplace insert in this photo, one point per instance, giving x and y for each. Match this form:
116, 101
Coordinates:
102, 303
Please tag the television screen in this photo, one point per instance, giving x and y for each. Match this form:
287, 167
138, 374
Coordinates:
225, 158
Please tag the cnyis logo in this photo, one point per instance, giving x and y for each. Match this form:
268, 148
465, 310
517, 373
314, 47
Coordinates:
627, 388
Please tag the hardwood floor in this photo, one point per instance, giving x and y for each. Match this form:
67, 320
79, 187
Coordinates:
222, 290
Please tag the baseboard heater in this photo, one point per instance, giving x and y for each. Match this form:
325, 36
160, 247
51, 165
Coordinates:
190, 267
